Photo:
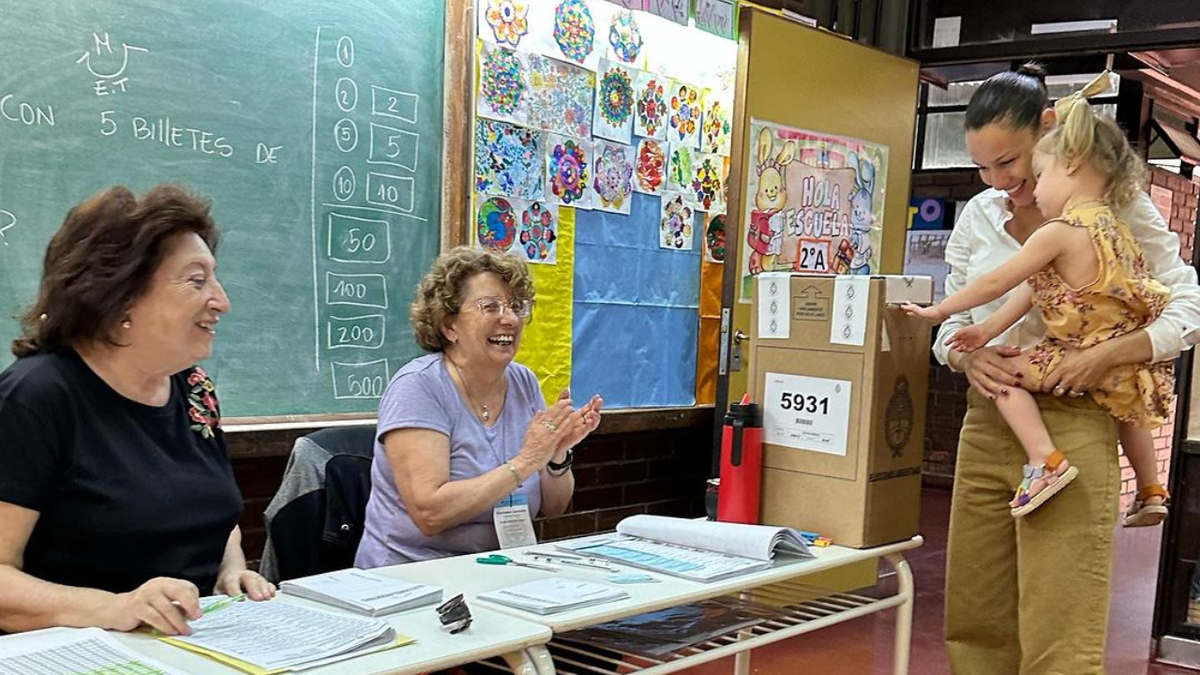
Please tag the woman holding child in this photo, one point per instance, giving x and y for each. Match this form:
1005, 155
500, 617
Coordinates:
1030, 594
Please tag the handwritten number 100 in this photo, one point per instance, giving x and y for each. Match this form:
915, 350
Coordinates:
802, 403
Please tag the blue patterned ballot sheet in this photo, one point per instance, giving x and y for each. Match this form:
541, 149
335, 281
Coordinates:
684, 548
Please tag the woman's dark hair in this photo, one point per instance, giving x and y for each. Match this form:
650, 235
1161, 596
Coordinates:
102, 259
1013, 98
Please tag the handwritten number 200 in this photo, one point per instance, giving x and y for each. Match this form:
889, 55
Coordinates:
802, 403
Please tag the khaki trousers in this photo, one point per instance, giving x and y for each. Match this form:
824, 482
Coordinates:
1030, 596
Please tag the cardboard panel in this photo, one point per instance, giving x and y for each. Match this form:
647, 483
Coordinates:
811, 79
823, 364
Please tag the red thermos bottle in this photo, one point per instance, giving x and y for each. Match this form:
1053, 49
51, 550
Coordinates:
741, 464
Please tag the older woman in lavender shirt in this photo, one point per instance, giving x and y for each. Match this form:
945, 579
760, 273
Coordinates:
464, 426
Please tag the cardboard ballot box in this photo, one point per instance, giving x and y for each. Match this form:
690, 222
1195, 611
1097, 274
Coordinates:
842, 379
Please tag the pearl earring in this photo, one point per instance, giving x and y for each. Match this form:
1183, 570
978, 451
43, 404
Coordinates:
126, 324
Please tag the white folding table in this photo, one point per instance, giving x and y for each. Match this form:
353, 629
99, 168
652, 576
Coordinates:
803, 608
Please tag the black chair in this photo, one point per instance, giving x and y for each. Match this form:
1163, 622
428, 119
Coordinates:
315, 520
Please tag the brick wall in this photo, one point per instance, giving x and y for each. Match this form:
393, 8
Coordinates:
947, 403
616, 475
1176, 195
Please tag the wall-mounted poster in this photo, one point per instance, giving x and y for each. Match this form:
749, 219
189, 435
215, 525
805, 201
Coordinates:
813, 203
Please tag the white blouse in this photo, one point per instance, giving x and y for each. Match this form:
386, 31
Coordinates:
980, 244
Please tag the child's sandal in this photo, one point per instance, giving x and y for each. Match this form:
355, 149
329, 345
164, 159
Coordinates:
1052, 476
1142, 514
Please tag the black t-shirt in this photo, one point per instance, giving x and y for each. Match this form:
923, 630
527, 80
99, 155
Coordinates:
125, 492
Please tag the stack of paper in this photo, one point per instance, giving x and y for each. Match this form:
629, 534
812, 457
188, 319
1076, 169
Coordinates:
553, 595
270, 636
693, 549
362, 591
71, 651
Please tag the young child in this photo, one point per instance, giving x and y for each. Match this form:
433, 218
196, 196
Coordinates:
1086, 273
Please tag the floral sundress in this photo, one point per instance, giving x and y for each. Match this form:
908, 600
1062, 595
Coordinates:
1123, 298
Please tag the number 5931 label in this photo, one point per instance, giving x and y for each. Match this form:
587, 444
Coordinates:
807, 413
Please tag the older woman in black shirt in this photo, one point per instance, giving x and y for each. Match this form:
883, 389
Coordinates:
118, 506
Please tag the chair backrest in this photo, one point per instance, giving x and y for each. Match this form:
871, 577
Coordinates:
315, 521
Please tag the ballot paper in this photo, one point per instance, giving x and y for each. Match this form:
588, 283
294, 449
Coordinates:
363, 591
269, 636
554, 594
73, 651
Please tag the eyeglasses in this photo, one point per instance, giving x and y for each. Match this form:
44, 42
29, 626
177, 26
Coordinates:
492, 308
454, 614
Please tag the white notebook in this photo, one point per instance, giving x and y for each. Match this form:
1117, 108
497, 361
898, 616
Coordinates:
362, 591
553, 594
699, 550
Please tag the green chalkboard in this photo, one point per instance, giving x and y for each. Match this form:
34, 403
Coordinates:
315, 126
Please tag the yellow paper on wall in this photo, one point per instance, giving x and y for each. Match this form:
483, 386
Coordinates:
546, 341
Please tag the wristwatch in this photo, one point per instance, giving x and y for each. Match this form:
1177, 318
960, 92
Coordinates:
565, 464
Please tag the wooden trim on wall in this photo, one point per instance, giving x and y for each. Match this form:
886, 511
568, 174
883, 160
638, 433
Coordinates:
253, 441
456, 121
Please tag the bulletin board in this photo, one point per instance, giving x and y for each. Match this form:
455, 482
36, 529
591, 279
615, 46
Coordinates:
818, 88
600, 147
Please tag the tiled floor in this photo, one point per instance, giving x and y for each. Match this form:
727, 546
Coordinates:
864, 646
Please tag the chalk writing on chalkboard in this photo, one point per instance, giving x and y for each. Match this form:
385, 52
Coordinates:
315, 133
364, 201
109, 79
7, 222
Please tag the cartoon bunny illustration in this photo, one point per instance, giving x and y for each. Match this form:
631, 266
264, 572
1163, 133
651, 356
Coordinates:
765, 235
861, 216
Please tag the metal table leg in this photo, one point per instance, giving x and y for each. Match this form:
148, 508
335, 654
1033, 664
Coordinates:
904, 613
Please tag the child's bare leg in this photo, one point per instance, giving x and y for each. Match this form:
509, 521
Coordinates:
1048, 471
1138, 445
1020, 410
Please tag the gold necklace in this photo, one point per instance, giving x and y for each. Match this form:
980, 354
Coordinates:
484, 413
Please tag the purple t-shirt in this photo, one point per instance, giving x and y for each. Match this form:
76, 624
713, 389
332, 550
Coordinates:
422, 396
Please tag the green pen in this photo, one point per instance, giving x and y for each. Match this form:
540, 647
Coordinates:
221, 604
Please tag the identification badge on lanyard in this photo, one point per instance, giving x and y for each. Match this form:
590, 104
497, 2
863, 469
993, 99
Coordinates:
514, 525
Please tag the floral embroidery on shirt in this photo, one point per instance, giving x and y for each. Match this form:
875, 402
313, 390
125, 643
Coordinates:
203, 407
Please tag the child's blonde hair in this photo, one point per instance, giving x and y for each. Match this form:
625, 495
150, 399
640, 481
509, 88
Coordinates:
1084, 136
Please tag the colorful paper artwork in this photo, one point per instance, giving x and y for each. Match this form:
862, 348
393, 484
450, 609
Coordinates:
495, 223
716, 127
707, 182
614, 102
507, 20
503, 93
679, 170
568, 171
612, 181
538, 233
560, 96
685, 109
814, 203
650, 119
675, 228
518, 226
574, 29
650, 171
508, 160
714, 238
625, 37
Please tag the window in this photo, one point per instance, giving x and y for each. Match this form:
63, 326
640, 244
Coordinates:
942, 115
